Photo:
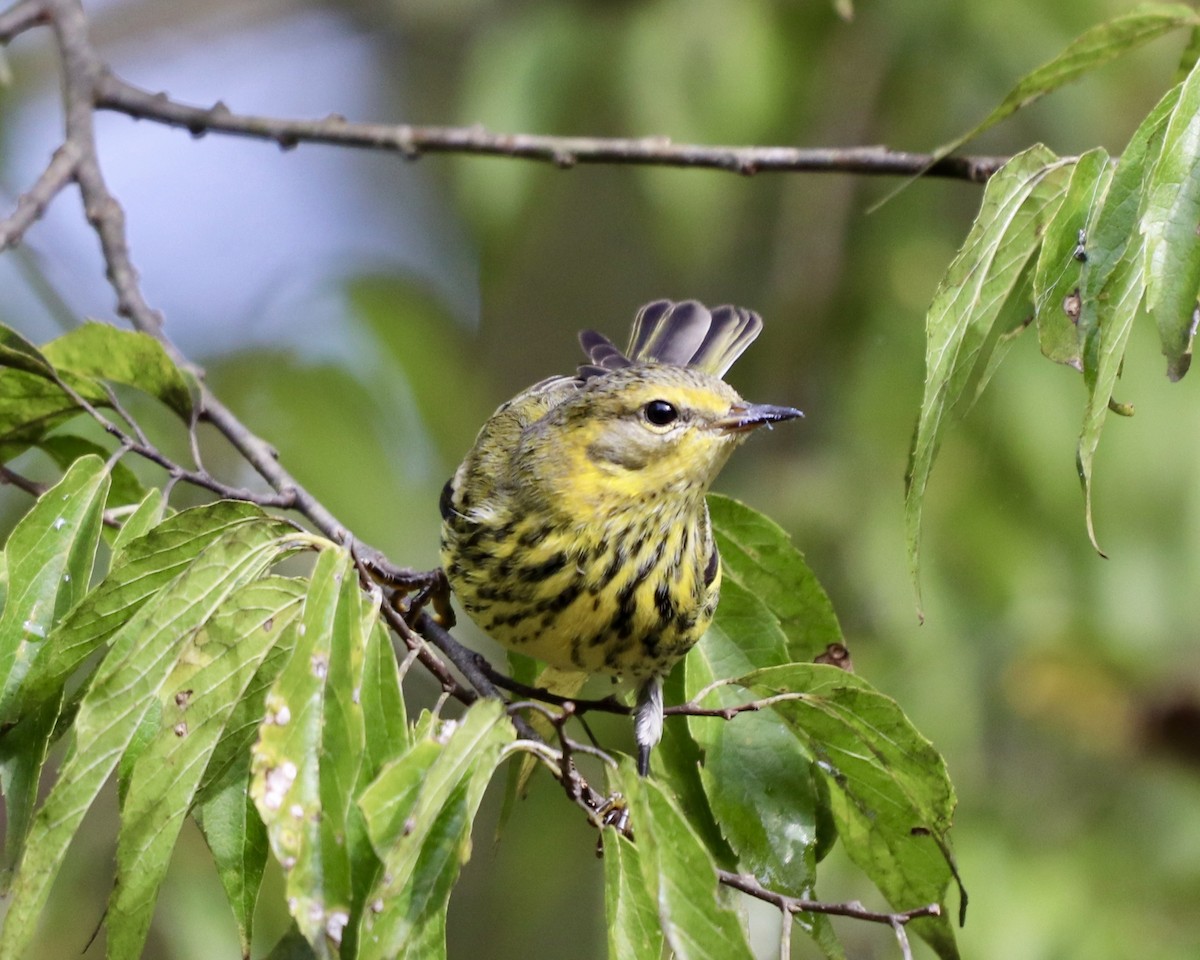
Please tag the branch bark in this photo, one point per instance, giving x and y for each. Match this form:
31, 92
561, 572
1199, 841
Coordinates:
411, 142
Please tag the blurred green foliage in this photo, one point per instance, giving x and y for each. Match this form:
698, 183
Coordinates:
1045, 675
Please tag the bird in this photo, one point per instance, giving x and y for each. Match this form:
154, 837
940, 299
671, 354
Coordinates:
576, 529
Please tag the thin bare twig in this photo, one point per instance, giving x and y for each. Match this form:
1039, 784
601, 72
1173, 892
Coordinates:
21, 482
749, 884
693, 709
32, 204
113, 93
424, 653
20, 17
143, 448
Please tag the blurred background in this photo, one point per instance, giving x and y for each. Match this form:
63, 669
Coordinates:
365, 314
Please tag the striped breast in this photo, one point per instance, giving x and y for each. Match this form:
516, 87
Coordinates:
619, 597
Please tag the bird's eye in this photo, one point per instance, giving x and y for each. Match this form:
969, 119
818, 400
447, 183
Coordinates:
660, 413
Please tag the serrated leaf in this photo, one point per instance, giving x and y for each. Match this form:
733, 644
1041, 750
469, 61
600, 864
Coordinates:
309, 749
757, 554
633, 930
143, 653
889, 790
196, 701
961, 324
679, 877
1060, 262
49, 558
1112, 284
134, 359
1169, 226
419, 813
1092, 48
237, 840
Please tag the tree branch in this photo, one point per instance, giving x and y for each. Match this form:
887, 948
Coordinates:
32, 204
19, 18
792, 905
113, 93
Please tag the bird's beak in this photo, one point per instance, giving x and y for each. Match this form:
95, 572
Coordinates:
743, 417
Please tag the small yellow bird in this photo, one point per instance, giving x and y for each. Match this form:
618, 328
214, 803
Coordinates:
576, 530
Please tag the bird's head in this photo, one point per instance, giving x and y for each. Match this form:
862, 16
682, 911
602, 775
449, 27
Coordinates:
644, 431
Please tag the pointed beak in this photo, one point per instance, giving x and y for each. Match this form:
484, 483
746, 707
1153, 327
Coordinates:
743, 417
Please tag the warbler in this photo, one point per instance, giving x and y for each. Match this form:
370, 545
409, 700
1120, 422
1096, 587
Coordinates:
577, 531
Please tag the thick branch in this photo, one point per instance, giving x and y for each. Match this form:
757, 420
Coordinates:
113, 93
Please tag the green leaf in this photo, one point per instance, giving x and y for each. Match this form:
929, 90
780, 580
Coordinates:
384, 716
17, 353
419, 813
238, 841
147, 515
757, 554
127, 357
889, 790
759, 780
232, 752
1060, 265
763, 794
633, 930
32, 405
1091, 49
143, 653
1172, 247
145, 567
291, 946
49, 558
1189, 57
679, 876
962, 323
196, 701
23, 751
1112, 283
310, 746
676, 761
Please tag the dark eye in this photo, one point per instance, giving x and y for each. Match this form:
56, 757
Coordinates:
660, 413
